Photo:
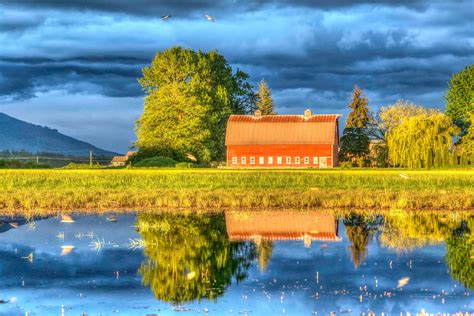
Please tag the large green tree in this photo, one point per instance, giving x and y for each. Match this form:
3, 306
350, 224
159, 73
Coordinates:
422, 141
466, 146
264, 99
189, 97
190, 257
355, 139
460, 253
460, 98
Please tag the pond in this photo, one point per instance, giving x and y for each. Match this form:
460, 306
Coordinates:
237, 263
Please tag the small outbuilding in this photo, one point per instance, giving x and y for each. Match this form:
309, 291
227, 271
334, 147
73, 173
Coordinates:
305, 141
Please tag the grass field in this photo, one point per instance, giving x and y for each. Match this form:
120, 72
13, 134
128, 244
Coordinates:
33, 191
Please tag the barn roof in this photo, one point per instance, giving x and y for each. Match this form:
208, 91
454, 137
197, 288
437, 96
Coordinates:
281, 225
282, 129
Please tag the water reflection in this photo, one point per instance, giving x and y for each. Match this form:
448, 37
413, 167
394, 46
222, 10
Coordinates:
190, 257
274, 262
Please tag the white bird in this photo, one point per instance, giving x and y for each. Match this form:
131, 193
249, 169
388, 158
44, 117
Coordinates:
165, 17
209, 18
403, 175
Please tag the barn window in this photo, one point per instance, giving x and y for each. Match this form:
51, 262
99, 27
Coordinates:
234, 160
297, 160
261, 160
243, 160
306, 160
315, 160
288, 160
279, 160
252, 160
270, 160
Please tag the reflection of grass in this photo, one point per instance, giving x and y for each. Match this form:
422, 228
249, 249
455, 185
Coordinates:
147, 189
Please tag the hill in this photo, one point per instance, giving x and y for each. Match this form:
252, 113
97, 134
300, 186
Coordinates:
17, 135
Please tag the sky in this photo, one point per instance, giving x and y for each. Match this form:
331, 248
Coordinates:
73, 65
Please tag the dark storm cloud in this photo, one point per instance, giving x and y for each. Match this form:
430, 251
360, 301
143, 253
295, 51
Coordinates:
311, 53
190, 7
111, 76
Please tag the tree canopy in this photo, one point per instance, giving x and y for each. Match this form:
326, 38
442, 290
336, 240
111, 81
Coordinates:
422, 141
189, 97
460, 97
264, 99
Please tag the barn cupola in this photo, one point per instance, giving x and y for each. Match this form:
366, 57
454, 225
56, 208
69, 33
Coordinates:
308, 113
258, 113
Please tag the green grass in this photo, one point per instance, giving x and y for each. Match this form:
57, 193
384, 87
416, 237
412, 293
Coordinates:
129, 189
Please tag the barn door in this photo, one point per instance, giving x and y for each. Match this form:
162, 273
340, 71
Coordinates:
323, 162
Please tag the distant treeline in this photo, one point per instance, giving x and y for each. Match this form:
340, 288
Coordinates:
28, 160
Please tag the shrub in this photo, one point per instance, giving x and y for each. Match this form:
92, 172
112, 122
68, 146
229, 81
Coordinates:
73, 166
15, 164
158, 161
184, 165
346, 165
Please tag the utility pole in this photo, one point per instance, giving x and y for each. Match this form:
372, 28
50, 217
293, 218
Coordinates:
37, 160
90, 158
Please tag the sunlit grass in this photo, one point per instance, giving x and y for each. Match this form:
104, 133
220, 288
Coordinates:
35, 190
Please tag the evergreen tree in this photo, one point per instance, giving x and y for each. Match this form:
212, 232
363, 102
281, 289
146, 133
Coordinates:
264, 99
264, 253
460, 98
355, 140
190, 96
359, 116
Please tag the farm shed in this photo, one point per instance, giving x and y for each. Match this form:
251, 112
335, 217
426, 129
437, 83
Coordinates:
305, 141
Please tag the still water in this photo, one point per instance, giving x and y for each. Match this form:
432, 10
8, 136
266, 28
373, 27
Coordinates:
237, 263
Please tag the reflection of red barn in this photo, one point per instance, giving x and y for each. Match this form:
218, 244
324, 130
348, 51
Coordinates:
308, 140
281, 225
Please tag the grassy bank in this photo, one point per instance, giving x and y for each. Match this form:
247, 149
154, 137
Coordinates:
36, 190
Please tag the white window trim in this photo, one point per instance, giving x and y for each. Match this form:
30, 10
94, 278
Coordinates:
306, 160
235, 160
279, 160
243, 160
261, 160
288, 160
270, 160
315, 160
297, 160
252, 160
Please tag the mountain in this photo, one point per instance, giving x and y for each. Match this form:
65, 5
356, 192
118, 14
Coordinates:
17, 135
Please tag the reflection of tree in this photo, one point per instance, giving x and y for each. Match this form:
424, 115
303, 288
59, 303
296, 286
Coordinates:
264, 253
460, 253
359, 230
190, 256
405, 231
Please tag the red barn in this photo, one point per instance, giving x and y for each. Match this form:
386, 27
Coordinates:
305, 141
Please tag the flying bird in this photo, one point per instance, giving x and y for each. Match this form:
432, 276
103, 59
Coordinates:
165, 17
209, 18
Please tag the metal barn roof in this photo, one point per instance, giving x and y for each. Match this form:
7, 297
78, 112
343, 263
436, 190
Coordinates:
282, 129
